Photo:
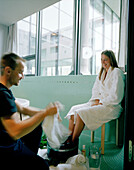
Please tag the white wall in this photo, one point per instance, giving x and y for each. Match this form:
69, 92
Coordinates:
3, 38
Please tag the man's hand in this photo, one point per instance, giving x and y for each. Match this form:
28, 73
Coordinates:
51, 109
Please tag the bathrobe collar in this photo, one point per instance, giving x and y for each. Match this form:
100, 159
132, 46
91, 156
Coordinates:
107, 76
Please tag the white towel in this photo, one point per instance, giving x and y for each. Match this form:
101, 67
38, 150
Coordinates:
68, 167
55, 131
76, 160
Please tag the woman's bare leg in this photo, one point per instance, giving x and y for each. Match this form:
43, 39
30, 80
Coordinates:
75, 129
71, 124
79, 126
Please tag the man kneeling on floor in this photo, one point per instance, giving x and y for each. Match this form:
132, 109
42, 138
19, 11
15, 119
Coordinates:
19, 140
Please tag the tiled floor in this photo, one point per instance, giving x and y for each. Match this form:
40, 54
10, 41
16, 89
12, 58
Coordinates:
113, 158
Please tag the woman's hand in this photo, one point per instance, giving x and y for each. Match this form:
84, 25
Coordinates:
96, 102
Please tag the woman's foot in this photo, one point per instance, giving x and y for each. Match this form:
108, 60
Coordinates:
69, 144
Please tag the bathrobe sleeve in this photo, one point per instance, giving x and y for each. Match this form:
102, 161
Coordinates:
115, 90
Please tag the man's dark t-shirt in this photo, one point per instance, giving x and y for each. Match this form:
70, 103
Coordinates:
7, 108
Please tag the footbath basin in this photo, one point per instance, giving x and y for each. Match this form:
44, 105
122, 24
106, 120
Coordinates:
23, 102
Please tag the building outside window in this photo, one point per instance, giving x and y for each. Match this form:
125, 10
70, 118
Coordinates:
46, 39
57, 28
27, 42
101, 33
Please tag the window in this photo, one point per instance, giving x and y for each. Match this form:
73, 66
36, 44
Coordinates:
47, 39
57, 30
101, 32
27, 42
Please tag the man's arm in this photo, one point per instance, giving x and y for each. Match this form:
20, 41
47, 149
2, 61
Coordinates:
30, 111
19, 129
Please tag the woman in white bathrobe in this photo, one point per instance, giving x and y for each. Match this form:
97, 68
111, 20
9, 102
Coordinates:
105, 103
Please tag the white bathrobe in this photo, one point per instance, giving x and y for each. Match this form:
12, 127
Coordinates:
110, 92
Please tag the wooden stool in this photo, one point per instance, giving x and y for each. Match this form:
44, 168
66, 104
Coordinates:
119, 127
102, 138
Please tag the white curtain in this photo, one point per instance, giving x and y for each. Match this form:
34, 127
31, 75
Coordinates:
123, 34
12, 42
